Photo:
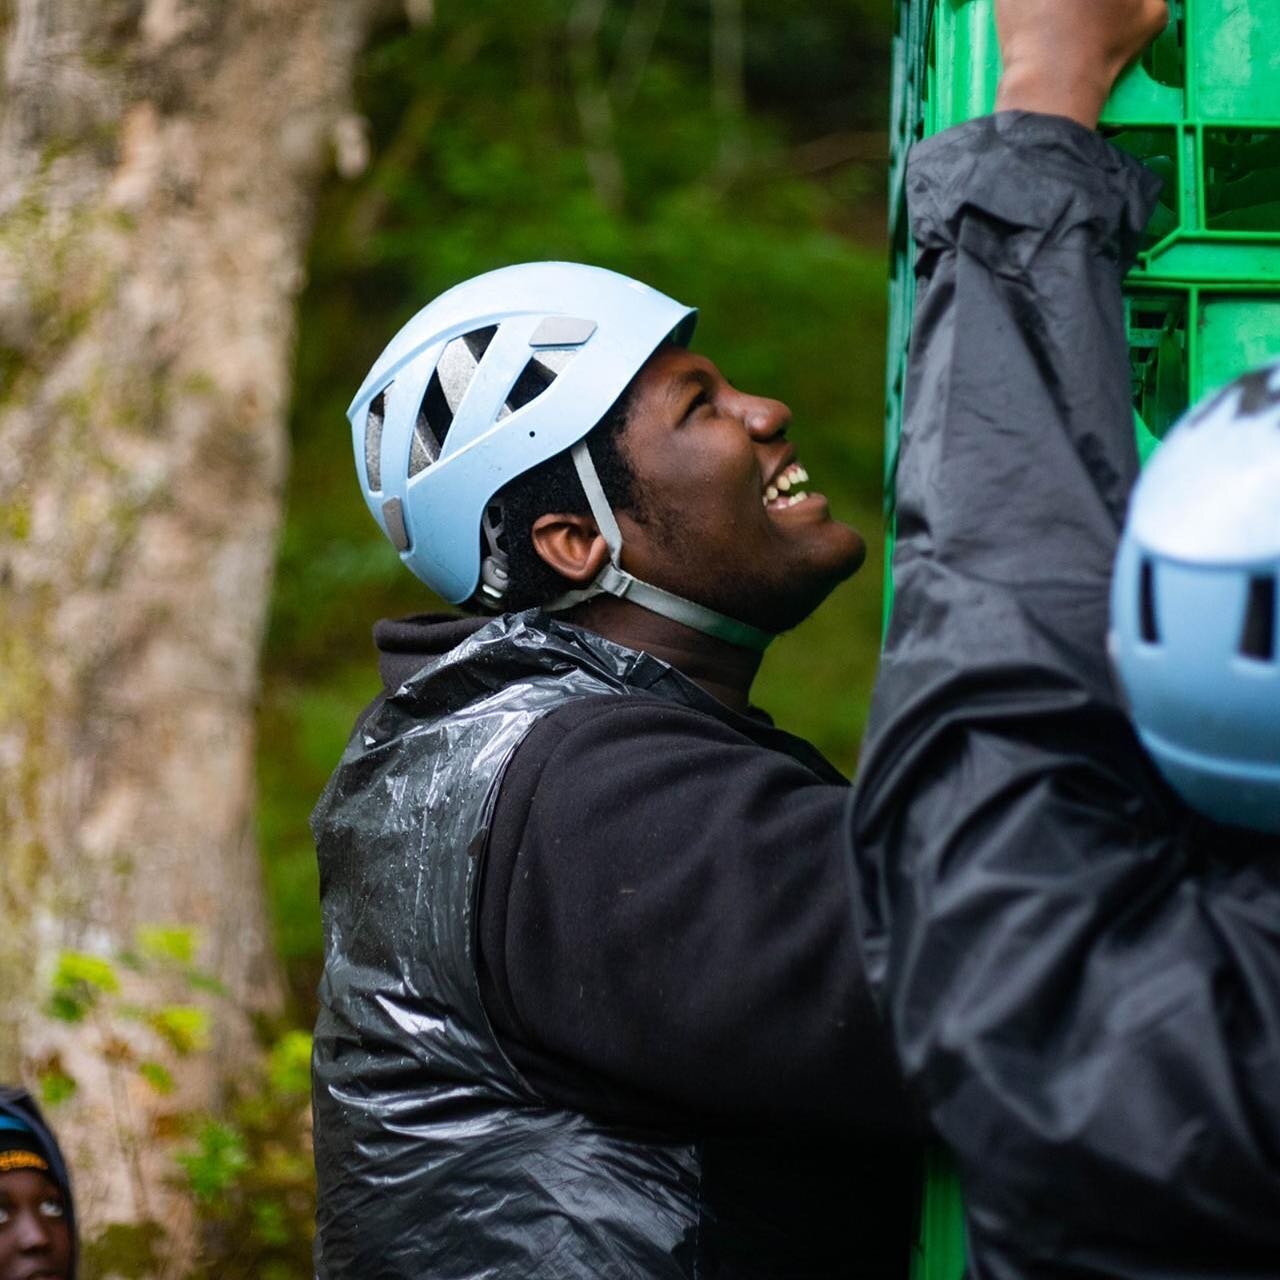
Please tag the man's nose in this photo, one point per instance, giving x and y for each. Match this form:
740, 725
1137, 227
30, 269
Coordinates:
32, 1233
765, 418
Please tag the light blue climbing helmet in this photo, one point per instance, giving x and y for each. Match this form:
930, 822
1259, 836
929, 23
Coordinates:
1194, 605
494, 377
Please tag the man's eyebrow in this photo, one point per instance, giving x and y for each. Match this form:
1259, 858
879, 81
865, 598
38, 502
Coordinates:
686, 378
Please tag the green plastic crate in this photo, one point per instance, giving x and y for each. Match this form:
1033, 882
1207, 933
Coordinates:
940, 1252
1202, 303
1208, 123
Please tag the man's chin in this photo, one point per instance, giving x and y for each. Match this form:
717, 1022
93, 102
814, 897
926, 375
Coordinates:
785, 611
857, 553
844, 552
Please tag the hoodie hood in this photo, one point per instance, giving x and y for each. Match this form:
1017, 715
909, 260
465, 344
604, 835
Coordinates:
17, 1104
406, 645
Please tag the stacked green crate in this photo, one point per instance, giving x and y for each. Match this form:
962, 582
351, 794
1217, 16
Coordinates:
1202, 109
910, 44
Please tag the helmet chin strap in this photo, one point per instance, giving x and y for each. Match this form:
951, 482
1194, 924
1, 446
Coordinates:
614, 580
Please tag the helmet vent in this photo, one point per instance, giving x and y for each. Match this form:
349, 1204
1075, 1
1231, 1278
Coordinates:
435, 417
1148, 629
448, 384
1259, 637
373, 439
477, 341
458, 364
534, 379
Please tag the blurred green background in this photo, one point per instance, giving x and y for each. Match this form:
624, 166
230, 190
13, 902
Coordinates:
730, 153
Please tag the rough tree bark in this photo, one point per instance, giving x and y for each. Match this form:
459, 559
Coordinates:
157, 162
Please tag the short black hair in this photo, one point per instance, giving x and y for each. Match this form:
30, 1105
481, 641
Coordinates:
553, 486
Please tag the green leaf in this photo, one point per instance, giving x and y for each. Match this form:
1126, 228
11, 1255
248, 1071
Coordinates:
269, 1222
198, 980
79, 981
289, 1064
66, 1008
218, 1160
78, 969
56, 1087
158, 1076
184, 1027
167, 943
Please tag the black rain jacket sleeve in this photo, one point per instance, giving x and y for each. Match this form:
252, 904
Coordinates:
1084, 979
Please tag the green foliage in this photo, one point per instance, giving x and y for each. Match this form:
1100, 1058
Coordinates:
158, 1076
289, 1065
758, 210
79, 982
247, 1169
184, 1028
219, 1158
176, 946
174, 950
252, 1175
126, 1249
56, 1086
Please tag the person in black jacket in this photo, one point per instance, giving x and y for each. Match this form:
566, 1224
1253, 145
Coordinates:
1082, 974
591, 1004
37, 1215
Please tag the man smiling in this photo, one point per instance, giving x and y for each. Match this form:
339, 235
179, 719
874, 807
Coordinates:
591, 1002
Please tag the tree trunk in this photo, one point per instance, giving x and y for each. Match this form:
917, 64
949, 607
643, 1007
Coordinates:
157, 164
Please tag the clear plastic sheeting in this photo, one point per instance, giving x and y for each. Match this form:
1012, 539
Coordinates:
1082, 976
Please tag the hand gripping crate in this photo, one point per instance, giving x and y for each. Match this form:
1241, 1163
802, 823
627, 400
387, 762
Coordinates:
1202, 303
1202, 109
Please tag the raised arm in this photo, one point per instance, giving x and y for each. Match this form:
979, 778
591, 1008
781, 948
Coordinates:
1062, 59
1084, 981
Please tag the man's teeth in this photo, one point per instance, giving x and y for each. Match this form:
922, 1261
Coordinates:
783, 490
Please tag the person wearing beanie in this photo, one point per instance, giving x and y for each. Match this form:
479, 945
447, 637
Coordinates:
37, 1218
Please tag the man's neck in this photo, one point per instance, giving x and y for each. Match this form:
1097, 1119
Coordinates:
724, 670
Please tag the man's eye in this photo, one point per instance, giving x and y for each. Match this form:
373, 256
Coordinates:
702, 398
52, 1208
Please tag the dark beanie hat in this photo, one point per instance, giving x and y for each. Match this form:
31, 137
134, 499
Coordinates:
20, 1148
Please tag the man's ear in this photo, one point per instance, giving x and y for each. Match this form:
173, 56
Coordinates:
572, 545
